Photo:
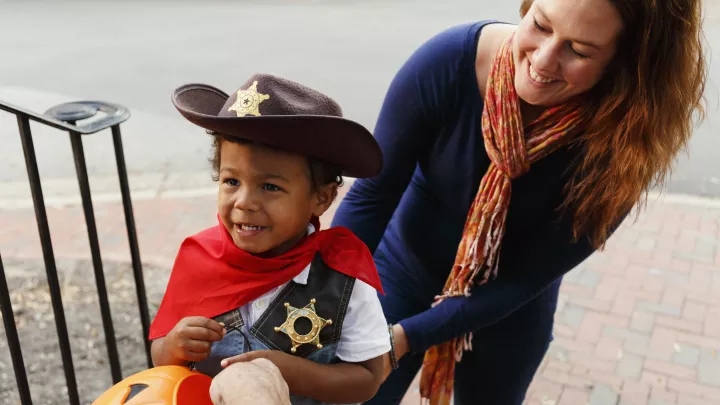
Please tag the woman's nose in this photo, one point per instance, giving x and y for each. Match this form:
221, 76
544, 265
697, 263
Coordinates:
547, 57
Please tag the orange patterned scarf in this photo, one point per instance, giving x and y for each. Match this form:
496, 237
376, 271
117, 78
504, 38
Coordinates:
511, 149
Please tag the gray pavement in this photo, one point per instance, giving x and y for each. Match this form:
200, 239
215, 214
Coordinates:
134, 53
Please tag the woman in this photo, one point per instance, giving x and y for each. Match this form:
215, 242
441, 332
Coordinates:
583, 106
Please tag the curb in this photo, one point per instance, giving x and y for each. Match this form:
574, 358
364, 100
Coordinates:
685, 199
67, 196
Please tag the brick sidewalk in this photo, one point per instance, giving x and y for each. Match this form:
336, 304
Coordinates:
637, 324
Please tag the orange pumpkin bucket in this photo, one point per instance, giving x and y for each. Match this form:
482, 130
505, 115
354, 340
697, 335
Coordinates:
165, 385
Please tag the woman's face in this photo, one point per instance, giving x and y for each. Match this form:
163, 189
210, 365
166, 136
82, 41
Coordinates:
562, 48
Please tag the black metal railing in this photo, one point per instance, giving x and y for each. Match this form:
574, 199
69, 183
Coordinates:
96, 116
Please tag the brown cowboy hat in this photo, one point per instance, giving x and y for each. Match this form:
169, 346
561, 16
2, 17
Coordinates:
278, 112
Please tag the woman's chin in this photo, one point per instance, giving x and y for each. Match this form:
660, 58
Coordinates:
540, 100
548, 96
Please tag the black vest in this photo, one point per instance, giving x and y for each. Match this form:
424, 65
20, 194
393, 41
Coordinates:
331, 291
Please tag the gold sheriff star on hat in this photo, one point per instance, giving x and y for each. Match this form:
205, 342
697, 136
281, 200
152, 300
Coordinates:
248, 101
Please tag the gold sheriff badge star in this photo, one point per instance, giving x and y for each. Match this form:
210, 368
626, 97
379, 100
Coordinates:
312, 337
248, 101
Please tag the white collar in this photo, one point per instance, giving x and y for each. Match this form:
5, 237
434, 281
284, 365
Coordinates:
302, 278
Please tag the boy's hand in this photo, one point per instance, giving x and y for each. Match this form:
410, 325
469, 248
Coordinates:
272, 355
192, 337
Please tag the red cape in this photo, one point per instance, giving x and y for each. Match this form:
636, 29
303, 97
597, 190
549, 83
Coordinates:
212, 275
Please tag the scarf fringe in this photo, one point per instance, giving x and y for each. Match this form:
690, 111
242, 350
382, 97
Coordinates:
464, 346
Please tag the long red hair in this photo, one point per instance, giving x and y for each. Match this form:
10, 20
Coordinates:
642, 112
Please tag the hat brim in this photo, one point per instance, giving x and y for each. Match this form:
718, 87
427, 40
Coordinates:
335, 140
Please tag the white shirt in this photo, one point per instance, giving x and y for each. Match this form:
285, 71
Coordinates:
364, 331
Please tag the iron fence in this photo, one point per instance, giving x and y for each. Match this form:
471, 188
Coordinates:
78, 119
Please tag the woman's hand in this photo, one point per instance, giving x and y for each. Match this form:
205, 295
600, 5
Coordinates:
338, 383
401, 348
254, 382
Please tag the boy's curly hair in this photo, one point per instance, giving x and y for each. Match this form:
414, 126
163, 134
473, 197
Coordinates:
321, 173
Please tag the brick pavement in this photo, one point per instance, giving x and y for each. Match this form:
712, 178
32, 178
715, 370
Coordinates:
637, 324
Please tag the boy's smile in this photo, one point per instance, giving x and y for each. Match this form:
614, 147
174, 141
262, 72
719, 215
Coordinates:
266, 198
249, 230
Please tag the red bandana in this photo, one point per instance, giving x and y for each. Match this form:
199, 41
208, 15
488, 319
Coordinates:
212, 275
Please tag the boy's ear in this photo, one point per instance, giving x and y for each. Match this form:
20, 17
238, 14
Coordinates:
326, 194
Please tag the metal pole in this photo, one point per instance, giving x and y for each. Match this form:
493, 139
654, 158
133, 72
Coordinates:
13, 340
81, 169
49, 257
132, 238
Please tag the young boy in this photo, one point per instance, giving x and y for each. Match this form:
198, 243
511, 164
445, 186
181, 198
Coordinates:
266, 282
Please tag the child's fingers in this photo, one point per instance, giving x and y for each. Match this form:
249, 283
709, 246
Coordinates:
202, 333
199, 321
196, 356
217, 327
237, 359
197, 346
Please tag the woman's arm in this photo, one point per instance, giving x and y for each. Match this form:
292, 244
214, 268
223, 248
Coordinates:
341, 383
413, 111
548, 255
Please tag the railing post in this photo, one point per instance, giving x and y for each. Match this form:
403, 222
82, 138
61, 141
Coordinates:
48, 256
13, 340
132, 239
84, 183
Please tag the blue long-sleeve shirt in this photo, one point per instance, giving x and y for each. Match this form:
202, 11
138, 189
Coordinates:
430, 133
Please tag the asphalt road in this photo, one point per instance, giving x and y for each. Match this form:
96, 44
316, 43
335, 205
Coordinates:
135, 53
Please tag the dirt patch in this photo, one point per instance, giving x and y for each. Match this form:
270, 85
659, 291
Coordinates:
36, 327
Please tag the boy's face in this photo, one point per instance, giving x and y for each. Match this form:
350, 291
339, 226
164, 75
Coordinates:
265, 197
